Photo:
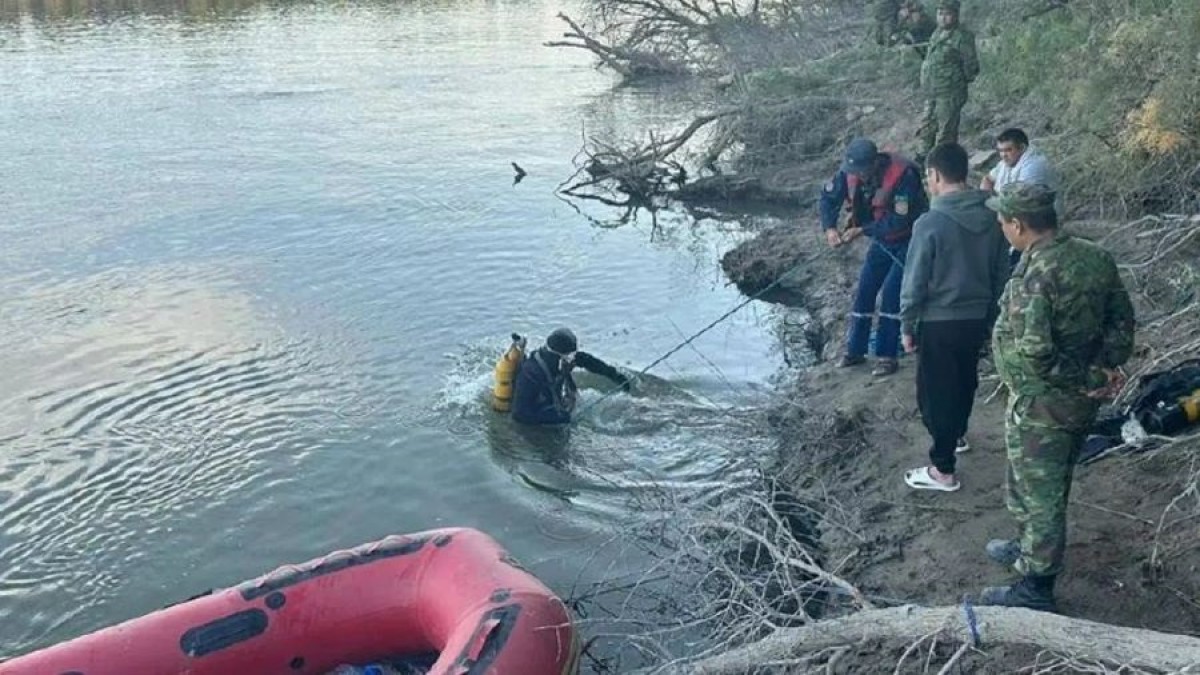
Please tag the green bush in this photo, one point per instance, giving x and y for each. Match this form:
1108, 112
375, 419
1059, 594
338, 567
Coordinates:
1109, 88
1112, 87
776, 83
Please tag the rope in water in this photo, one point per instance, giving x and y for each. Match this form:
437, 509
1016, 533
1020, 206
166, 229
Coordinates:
717, 321
697, 334
770, 287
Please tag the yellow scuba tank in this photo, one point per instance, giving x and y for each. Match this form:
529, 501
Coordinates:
505, 374
1169, 419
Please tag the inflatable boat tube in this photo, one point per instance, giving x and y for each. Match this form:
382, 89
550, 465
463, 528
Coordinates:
454, 593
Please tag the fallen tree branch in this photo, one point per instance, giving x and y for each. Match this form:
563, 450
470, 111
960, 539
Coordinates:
665, 148
642, 171
806, 566
1114, 512
1061, 634
608, 55
954, 659
626, 61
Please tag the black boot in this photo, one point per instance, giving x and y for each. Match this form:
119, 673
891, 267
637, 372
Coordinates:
1031, 592
849, 361
1003, 551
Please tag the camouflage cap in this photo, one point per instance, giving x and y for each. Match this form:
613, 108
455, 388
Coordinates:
950, 5
1019, 199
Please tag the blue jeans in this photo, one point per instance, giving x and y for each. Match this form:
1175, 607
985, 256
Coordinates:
883, 269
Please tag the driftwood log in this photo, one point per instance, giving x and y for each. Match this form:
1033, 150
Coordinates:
1079, 638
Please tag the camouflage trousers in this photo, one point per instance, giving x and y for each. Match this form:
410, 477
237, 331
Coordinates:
939, 124
1043, 438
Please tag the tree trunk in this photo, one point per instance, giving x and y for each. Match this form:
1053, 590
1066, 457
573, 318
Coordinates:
1074, 637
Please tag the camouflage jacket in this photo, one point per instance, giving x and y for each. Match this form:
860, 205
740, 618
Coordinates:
951, 62
1064, 315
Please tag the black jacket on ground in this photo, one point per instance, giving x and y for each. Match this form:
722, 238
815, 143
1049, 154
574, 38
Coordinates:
545, 392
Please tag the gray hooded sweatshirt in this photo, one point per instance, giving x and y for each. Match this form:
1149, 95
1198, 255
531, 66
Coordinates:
957, 262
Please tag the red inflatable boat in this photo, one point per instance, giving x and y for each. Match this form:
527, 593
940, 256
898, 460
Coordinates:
452, 593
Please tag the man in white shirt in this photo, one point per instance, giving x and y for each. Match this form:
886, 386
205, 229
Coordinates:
1020, 163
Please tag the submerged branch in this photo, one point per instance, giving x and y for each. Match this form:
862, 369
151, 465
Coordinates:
641, 171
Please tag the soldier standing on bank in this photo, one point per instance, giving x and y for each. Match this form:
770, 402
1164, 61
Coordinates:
1066, 324
884, 14
916, 26
950, 65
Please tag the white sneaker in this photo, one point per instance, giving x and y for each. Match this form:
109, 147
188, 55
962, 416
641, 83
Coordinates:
962, 446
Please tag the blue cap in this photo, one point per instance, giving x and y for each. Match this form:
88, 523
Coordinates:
860, 155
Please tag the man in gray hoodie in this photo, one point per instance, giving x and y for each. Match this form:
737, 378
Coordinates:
956, 270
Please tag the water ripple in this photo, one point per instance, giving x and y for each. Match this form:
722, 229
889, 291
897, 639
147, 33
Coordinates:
138, 434
223, 327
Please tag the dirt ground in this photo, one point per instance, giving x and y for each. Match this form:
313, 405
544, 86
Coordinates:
928, 547
846, 438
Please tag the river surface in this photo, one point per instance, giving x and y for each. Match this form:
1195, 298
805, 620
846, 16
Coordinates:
257, 263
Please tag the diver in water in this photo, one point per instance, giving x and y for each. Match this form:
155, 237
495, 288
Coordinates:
544, 391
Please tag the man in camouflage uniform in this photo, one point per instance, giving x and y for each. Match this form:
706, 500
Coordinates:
950, 65
1065, 325
884, 15
916, 26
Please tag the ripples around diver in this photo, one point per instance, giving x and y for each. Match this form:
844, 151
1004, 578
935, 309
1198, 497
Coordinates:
622, 448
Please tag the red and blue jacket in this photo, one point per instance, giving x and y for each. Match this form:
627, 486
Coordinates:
886, 212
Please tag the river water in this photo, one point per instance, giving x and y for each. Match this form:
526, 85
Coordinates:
257, 263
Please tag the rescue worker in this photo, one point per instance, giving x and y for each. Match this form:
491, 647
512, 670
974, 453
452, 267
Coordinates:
884, 196
951, 64
1066, 324
916, 26
545, 391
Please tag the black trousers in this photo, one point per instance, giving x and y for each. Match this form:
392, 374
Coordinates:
947, 376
